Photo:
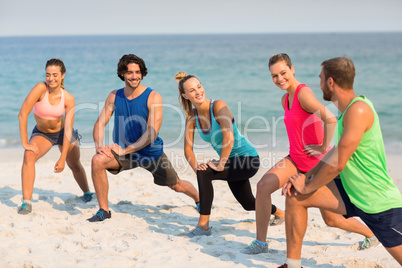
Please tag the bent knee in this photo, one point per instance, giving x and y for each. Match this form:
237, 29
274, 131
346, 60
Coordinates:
176, 188
331, 221
99, 160
249, 208
266, 186
29, 157
76, 166
292, 200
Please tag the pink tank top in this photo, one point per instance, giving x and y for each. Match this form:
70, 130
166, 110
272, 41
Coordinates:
303, 128
47, 111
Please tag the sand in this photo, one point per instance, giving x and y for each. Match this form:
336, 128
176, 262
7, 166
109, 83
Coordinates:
149, 223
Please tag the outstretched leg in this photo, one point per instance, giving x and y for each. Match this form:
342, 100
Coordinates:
350, 224
186, 188
74, 163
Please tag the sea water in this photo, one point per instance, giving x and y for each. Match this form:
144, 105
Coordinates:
233, 68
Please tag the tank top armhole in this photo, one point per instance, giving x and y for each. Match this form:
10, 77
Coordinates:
213, 113
299, 87
286, 104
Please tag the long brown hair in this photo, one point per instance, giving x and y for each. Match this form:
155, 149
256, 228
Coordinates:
185, 104
57, 62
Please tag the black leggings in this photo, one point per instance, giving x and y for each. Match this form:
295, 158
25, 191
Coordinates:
238, 170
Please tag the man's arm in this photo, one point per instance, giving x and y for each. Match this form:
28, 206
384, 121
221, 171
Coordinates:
154, 123
357, 120
103, 120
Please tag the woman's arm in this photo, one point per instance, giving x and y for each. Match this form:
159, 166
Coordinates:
189, 142
224, 117
34, 96
69, 103
310, 104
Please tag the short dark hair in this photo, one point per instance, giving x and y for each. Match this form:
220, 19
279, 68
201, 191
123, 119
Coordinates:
341, 69
126, 60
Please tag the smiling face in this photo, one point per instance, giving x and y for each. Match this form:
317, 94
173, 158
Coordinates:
282, 76
193, 91
133, 76
54, 77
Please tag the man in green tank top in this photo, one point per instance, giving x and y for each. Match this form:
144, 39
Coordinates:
365, 188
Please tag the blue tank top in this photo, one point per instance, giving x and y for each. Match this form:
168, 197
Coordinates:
241, 146
130, 123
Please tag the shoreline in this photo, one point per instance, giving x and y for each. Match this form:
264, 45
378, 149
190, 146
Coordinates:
149, 223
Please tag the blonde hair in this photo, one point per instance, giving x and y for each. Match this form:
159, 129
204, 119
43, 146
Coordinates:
185, 104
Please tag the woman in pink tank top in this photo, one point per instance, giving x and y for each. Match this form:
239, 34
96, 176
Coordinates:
49, 102
310, 127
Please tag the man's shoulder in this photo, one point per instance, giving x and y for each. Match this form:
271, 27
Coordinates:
360, 106
154, 96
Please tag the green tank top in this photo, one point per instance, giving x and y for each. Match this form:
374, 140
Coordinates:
365, 176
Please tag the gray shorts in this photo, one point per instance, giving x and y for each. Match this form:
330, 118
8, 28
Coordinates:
161, 168
55, 138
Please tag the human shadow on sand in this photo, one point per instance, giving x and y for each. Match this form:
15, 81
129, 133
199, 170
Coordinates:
166, 219
70, 202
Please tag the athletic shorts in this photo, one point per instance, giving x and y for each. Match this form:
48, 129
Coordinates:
386, 225
161, 168
55, 138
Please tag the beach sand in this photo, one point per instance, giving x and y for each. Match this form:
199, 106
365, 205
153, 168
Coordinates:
149, 223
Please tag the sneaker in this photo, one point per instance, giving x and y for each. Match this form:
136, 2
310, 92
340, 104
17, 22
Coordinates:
101, 215
369, 243
255, 248
87, 197
197, 206
197, 231
25, 208
276, 221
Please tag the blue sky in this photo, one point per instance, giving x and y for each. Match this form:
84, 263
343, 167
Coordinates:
97, 17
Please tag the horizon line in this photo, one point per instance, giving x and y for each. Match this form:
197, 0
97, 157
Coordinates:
206, 33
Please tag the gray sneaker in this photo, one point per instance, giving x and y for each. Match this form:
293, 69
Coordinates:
276, 221
197, 231
25, 209
255, 248
368, 243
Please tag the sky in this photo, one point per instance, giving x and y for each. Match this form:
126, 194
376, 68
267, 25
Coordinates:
105, 17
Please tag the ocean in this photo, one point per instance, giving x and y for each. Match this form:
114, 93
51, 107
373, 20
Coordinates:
231, 67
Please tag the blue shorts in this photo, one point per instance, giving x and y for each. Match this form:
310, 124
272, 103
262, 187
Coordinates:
386, 225
54, 138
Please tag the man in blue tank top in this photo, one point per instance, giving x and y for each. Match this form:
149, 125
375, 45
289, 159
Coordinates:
138, 112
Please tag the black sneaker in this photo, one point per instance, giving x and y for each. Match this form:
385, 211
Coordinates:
101, 215
87, 197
